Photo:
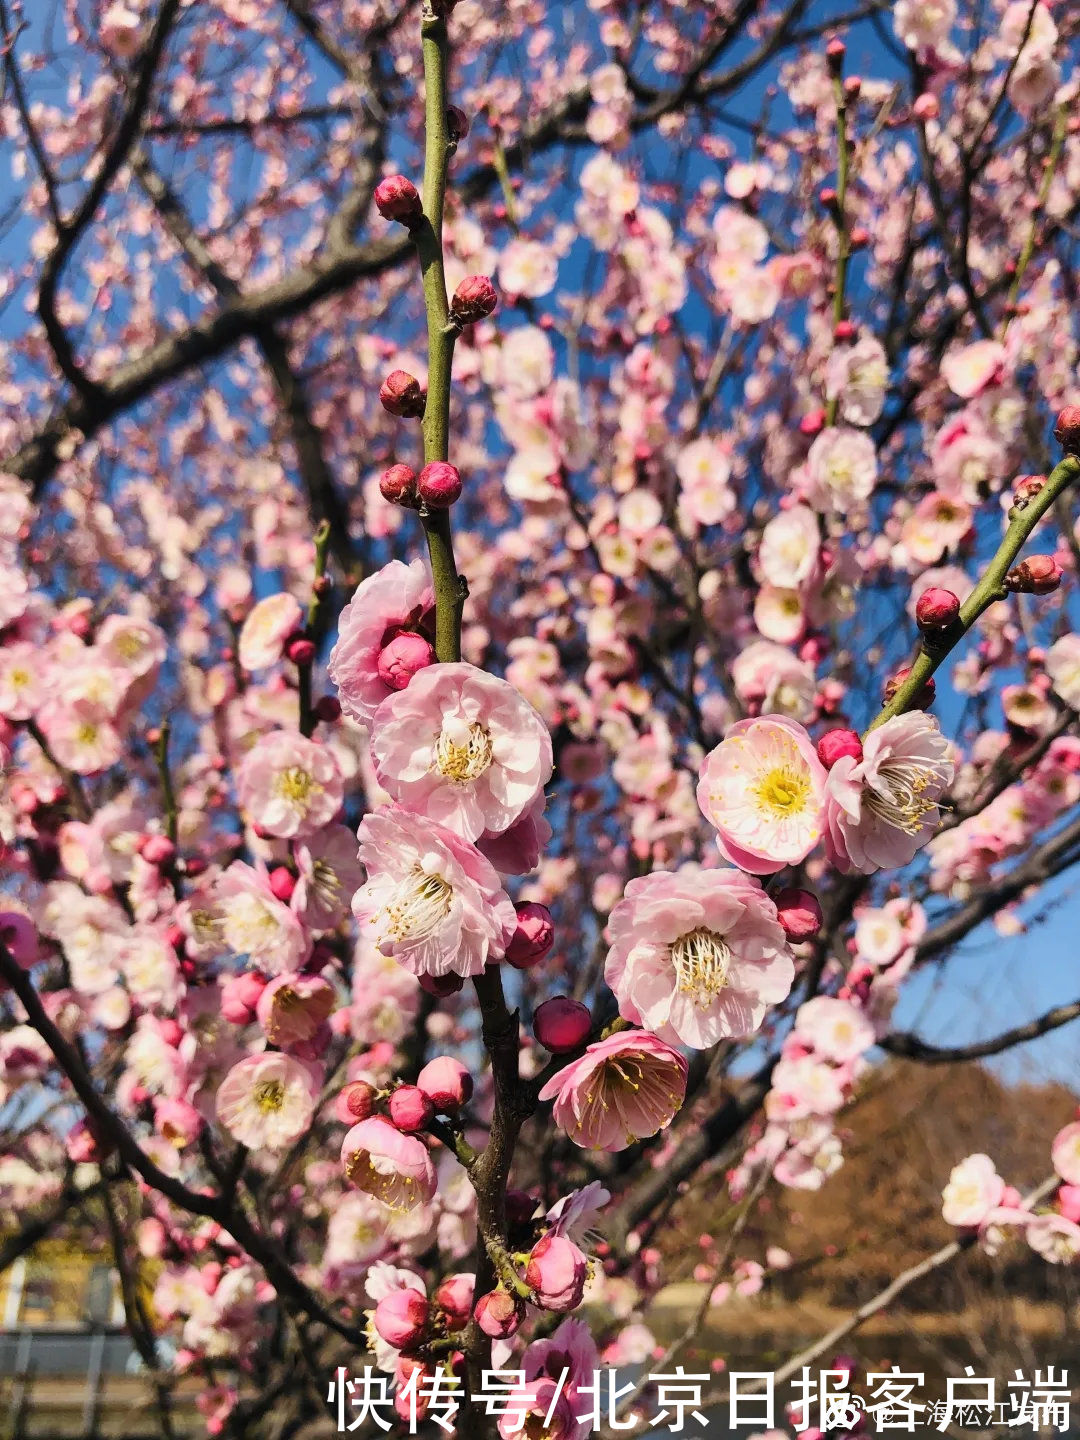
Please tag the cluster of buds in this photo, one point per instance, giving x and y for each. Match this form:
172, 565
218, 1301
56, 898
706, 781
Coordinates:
443, 1087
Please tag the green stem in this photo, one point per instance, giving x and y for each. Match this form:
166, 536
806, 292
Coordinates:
989, 589
435, 427
161, 752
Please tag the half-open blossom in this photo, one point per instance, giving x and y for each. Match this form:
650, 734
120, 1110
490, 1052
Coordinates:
267, 627
622, 1090
431, 899
463, 748
974, 1190
267, 1101
697, 956
1065, 1153
288, 785
292, 1007
394, 599
881, 809
1055, 1238
763, 788
393, 1167
556, 1272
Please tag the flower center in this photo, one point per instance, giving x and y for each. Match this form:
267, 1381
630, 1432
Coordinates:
782, 790
269, 1096
462, 751
701, 959
295, 784
86, 733
419, 904
904, 802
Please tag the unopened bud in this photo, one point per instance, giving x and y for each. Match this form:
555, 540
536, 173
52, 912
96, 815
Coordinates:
835, 744
562, 1024
835, 51
533, 938
1067, 429
398, 484
1025, 488
844, 331
926, 107
402, 657
852, 87
410, 1109
355, 1102
1037, 575
457, 124
397, 198
403, 395
936, 609
282, 883
923, 699
473, 299
813, 423
438, 485
799, 913
328, 709
499, 1314
300, 650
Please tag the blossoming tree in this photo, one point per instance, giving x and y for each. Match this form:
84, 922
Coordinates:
487, 496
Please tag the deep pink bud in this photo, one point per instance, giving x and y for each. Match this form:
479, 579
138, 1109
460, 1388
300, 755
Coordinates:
835, 51
457, 124
853, 87
936, 609
499, 1314
157, 849
171, 1031
813, 423
1067, 429
925, 696
398, 484
328, 709
1037, 575
397, 198
410, 1109
239, 997
441, 985
827, 196
401, 1318
403, 657
438, 485
403, 395
300, 650
355, 1102
1068, 1198
19, 938
556, 1273
835, 744
454, 1297
562, 1024
927, 106
844, 330
799, 913
474, 298
282, 883
533, 938
447, 1083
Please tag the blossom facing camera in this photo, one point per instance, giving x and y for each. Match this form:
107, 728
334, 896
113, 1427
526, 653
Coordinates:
397, 198
623, 1089
289, 786
395, 1168
763, 790
267, 1101
473, 299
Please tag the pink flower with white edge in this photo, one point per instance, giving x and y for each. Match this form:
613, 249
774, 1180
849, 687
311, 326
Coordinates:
395, 1168
835, 1029
267, 1101
292, 1007
970, 369
255, 924
1063, 667
763, 789
431, 899
697, 956
288, 785
974, 1190
841, 471
329, 876
1065, 1153
789, 548
394, 599
80, 736
922, 23
463, 748
881, 809
857, 377
623, 1089
268, 625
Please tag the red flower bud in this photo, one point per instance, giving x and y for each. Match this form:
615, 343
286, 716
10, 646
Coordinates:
1025, 488
403, 395
454, 1297
499, 1314
398, 485
410, 1109
1037, 575
927, 106
813, 423
157, 850
328, 709
827, 196
853, 87
533, 938
441, 985
300, 650
447, 1083
936, 609
835, 744
282, 883
474, 298
457, 124
923, 699
562, 1024
439, 485
1067, 429
355, 1102
844, 330
835, 51
799, 913
402, 657
401, 1318
397, 198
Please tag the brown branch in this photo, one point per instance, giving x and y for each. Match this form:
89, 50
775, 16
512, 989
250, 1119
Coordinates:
911, 1047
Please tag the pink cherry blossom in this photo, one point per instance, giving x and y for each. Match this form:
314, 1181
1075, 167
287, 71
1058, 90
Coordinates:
266, 1101
431, 900
622, 1090
395, 598
883, 808
974, 1190
487, 759
288, 785
835, 1029
267, 627
697, 955
394, 1168
763, 789
841, 471
1066, 1153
